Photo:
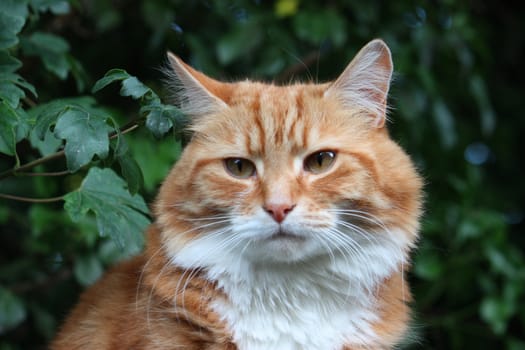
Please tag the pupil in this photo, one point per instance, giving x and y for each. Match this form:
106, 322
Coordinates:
238, 162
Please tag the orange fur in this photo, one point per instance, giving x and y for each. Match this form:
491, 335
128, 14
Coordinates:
150, 302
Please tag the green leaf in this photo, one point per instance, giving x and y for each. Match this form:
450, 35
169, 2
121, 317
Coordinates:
87, 269
316, 27
129, 166
134, 88
238, 43
13, 127
110, 77
8, 64
10, 88
52, 49
131, 172
57, 7
86, 135
11, 21
119, 215
46, 114
160, 118
12, 310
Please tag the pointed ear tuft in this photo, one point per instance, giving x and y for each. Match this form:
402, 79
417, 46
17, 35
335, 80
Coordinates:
366, 80
195, 93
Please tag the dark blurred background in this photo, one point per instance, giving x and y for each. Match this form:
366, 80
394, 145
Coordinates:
457, 98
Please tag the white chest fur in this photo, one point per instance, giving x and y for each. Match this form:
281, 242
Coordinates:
324, 303
289, 310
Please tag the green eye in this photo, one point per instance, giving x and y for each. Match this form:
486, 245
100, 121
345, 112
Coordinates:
319, 162
239, 167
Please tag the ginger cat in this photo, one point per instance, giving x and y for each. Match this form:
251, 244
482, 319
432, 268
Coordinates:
286, 224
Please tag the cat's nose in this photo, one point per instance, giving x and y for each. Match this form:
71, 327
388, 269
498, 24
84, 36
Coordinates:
279, 211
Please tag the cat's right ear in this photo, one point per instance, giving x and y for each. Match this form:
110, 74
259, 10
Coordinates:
366, 80
195, 93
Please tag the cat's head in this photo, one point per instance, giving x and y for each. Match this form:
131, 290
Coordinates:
288, 173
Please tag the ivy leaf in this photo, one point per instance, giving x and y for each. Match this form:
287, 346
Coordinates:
10, 88
134, 88
52, 49
46, 114
8, 63
12, 20
13, 127
160, 118
87, 269
119, 215
12, 310
110, 77
86, 135
129, 167
131, 86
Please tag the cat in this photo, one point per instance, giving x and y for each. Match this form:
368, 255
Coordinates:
287, 223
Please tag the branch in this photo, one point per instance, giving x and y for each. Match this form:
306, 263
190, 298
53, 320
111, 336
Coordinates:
31, 200
14, 171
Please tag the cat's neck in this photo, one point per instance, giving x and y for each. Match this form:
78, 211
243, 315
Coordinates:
321, 303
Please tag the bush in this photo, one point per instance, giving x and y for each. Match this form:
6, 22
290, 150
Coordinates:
78, 162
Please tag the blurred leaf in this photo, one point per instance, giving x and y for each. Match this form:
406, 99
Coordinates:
10, 88
52, 49
238, 43
445, 124
119, 215
285, 8
316, 27
87, 269
85, 134
428, 266
487, 115
495, 312
57, 7
12, 310
13, 127
8, 63
12, 20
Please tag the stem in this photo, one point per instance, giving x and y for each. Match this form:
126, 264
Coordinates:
56, 173
127, 128
30, 165
32, 200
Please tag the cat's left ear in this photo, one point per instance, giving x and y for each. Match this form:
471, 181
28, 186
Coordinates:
366, 80
196, 94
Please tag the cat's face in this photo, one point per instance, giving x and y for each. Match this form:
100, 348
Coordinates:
284, 174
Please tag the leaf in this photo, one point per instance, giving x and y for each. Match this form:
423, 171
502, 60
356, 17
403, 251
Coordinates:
86, 135
160, 118
57, 7
47, 114
131, 172
110, 77
316, 27
238, 43
119, 215
445, 124
12, 310
11, 24
134, 88
129, 167
10, 88
13, 127
87, 269
8, 64
52, 49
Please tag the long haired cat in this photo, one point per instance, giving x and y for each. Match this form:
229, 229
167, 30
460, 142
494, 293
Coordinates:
286, 224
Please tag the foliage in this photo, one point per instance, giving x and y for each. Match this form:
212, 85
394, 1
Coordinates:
77, 166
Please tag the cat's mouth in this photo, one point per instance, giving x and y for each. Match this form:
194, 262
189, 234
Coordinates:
285, 235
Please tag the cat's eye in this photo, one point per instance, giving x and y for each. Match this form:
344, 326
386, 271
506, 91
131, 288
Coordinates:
319, 162
240, 167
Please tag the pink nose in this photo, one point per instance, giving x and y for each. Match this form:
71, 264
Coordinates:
279, 211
